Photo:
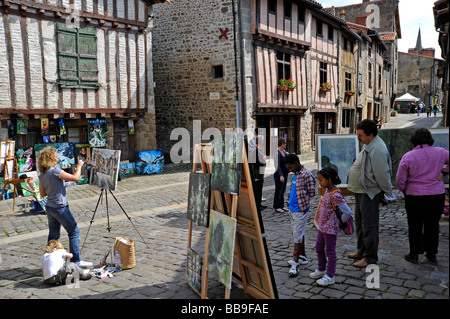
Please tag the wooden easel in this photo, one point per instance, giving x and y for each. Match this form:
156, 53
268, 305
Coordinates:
251, 267
11, 174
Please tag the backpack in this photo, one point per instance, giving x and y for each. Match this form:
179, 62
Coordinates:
347, 227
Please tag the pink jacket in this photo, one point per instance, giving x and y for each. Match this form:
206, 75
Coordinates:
420, 170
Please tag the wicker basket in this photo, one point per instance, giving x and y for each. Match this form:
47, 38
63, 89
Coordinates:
127, 251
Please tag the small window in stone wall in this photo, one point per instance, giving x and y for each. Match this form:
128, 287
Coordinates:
217, 71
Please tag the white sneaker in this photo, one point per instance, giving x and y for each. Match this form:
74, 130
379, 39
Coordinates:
325, 281
317, 274
294, 269
302, 260
84, 264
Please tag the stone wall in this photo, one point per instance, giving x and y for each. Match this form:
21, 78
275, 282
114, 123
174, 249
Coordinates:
184, 54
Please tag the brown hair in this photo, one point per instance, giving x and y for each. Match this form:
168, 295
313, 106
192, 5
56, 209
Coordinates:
47, 158
53, 245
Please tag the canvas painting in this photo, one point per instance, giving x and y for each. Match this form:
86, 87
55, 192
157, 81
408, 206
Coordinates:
105, 168
150, 162
33, 186
127, 169
83, 152
222, 232
227, 164
98, 133
338, 152
199, 198
194, 270
65, 151
398, 143
4, 149
22, 127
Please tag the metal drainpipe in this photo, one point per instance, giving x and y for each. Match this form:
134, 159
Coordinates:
243, 90
238, 120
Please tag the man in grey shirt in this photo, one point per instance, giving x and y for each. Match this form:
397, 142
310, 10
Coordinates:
369, 178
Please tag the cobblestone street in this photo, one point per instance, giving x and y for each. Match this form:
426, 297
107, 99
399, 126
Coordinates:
156, 205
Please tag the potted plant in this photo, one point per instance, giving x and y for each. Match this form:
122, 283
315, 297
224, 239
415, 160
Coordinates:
287, 85
326, 87
350, 93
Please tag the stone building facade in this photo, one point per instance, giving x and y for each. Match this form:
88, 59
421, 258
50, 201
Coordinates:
78, 61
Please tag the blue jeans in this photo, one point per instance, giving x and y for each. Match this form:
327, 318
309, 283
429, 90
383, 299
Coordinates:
63, 216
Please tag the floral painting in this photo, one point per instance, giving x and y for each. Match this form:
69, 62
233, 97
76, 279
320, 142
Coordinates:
222, 232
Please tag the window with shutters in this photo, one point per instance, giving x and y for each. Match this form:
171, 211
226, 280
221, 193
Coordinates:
77, 57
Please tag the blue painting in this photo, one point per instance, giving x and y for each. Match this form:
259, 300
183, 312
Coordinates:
65, 151
150, 162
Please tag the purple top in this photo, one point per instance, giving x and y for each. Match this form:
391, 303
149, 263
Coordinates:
419, 172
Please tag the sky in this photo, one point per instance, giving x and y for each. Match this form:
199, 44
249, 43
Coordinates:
413, 14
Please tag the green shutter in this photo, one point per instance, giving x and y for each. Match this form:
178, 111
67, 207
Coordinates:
77, 57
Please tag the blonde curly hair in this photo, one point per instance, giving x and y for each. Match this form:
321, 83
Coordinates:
47, 159
53, 245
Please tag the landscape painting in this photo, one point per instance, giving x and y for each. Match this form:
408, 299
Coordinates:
105, 168
222, 232
227, 164
338, 152
194, 270
199, 198
150, 162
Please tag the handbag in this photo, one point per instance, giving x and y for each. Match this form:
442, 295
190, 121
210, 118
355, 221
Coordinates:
347, 227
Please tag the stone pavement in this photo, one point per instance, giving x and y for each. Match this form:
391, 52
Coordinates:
156, 205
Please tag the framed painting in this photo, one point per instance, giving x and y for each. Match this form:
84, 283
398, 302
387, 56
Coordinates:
199, 198
150, 162
337, 151
222, 233
83, 152
194, 264
105, 168
227, 164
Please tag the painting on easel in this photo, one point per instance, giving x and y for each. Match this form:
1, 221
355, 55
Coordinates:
221, 247
7, 147
105, 168
198, 199
227, 164
194, 270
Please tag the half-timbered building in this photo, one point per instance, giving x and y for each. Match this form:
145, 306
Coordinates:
78, 60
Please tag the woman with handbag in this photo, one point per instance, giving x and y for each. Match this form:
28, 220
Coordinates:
328, 225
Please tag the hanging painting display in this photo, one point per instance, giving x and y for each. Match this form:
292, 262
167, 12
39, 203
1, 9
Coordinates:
22, 127
221, 246
65, 151
198, 199
62, 127
44, 126
194, 270
130, 127
337, 151
150, 162
98, 133
105, 168
227, 164
24, 161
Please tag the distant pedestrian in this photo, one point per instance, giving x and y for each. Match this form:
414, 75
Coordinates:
420, 178
435, 109
303, 188
328, 226
429, 109
280, 176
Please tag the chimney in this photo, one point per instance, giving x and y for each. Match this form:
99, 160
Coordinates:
342, 14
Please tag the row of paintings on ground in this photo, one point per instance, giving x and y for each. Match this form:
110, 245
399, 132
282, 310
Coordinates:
339, 151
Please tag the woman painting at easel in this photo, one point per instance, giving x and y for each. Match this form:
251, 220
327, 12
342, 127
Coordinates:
52, 184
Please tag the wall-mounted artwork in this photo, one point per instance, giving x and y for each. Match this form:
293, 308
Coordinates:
227, 164
98, 132
194, 270
83, 152
199, 198
222, 232
104, 168
338, 152
22, 127
65, 151
150, 162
